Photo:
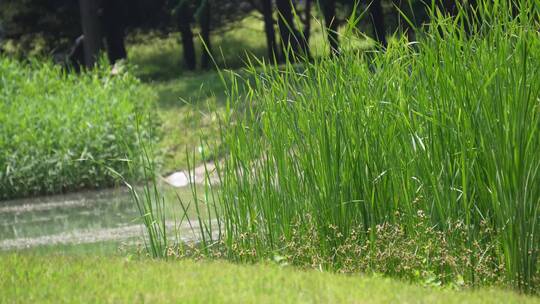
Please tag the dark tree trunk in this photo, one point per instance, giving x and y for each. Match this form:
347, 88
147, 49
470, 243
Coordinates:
289, 35
269, 30
91, 30
75, 57
377, 19
306, 33
204, 20
404, 27
114, 21
449, 7
328, 8
184, 25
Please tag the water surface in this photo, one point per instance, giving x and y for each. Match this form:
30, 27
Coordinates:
105, 217
82, 217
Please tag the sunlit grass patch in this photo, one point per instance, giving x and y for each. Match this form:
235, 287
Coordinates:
68, 279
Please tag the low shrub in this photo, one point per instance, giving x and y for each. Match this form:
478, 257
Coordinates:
62, 131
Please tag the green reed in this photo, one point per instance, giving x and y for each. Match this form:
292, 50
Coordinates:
421, 160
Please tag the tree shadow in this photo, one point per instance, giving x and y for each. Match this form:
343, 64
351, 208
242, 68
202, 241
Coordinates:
162, 59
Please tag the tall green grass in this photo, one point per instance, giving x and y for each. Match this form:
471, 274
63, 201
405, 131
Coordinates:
420, 161
63, 131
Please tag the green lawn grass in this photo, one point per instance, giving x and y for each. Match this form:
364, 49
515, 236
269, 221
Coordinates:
97, 249
159, 57
365, 100
189, 100
63, 279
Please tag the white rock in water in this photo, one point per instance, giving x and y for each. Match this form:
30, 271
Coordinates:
177, 179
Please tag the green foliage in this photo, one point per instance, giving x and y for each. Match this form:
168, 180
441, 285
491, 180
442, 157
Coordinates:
420, 161
65, 279
61, 131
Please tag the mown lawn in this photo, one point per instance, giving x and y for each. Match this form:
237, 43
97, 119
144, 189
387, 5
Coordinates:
62, 279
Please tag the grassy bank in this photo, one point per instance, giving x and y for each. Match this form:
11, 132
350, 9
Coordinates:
61, 279
420, 161
62, 131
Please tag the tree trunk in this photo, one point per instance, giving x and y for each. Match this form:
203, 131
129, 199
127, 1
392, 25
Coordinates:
91, 31
114, 20
269, 30
328, 8
404, 27
75, 57
289, 35
184, 25
306, 33
449, 7
307, 20
377, 18
204, 20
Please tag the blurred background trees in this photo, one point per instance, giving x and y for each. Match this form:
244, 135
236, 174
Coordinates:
51, 27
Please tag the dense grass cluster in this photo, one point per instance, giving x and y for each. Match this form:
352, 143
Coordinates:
62, 131
419, 161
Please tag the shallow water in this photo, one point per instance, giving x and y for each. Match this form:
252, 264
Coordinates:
101, 217
83, 217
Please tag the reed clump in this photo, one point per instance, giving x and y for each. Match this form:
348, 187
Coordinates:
419, 161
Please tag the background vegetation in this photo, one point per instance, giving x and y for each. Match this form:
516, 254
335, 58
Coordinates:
61, 131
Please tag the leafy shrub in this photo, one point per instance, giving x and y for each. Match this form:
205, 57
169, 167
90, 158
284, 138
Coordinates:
62, 131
